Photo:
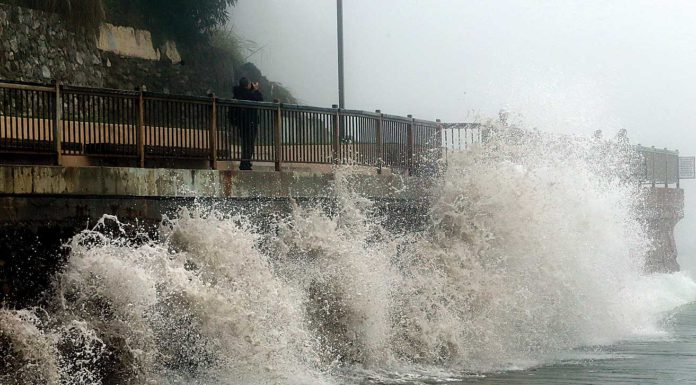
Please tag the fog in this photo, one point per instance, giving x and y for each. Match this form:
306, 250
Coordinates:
562, 66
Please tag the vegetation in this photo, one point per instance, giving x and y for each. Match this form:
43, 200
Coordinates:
185, 21
230, 53
188, 22
81, 13
230, 47
279, 92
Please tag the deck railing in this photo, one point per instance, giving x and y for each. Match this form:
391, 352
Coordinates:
659, 167
62, 120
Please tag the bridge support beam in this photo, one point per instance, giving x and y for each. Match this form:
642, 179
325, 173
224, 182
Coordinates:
662, 209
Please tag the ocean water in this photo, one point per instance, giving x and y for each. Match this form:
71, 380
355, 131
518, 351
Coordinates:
665, 358
528, 270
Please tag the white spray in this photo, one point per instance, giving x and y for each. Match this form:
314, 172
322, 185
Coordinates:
532, 248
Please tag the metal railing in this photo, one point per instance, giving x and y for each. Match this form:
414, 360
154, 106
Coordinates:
62, 120
658, 166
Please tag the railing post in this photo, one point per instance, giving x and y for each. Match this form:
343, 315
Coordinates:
653, 166
409, 146
213, 133
438, 139
378, 139
277, 134
337, 134
677, 170
666, 170
141, 127
58, 125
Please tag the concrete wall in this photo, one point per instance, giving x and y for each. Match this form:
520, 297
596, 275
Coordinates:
661, 210
41, 207
135, 43
162, 183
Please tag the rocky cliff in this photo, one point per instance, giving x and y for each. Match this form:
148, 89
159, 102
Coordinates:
40, 47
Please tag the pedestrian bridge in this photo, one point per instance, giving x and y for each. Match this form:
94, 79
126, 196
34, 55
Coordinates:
69, 154
55, 124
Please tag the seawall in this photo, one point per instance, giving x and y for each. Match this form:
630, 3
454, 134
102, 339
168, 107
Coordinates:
662, 209
41, 207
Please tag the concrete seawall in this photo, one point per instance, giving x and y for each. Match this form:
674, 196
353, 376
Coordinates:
662, 209
138, 182
41, 207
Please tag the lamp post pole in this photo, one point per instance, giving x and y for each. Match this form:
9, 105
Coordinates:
341, 90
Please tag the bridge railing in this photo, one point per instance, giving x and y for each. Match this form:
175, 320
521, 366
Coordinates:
60, 120
659, 167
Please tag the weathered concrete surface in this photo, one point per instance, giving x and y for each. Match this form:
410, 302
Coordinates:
662, 209
137, 182
42, 207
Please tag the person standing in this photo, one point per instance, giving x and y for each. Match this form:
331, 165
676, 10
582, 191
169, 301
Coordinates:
247, 119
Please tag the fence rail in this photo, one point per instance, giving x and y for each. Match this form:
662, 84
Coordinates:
658, 166
62, 120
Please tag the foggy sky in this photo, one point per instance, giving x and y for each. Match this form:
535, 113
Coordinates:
562, 66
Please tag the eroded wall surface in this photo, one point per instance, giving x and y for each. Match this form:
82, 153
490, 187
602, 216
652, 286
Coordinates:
661, 210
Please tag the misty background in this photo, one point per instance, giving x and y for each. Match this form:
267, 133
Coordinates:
561, 66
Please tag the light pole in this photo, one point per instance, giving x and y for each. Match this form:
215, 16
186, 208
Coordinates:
341, 90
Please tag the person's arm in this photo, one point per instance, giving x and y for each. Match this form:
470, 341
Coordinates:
257, 96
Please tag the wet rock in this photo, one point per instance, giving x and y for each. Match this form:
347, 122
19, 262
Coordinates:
45, 72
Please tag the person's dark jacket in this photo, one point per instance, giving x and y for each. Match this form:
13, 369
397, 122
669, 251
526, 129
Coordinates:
245, 116
247, 94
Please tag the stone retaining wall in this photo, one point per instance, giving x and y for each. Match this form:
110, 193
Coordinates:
40, 47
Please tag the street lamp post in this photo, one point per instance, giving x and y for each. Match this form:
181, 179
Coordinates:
341, 90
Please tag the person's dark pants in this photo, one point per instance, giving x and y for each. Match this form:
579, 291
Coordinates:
247, 135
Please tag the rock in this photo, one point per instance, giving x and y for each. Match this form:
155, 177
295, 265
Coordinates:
170, 52
45, 72
79, 59
108, 63
81, 78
